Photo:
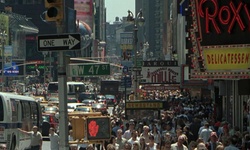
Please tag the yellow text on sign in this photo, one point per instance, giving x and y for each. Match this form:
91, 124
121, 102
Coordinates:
227, 58
144, 105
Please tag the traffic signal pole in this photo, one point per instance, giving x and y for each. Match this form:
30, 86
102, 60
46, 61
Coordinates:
56, 13
63, 113
62, 84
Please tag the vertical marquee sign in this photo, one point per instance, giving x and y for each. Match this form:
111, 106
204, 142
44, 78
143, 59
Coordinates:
220, 37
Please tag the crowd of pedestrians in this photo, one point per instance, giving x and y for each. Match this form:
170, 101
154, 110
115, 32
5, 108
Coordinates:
188, 124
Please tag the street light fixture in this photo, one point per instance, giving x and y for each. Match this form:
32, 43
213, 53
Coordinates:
138, 19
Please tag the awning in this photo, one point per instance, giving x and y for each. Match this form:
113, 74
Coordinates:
20, 22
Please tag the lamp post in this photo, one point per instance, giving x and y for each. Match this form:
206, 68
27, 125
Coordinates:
138, 19
3, 37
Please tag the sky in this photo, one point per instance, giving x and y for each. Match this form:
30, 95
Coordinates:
118, 8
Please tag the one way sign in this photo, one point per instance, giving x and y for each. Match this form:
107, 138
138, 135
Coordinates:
58, 42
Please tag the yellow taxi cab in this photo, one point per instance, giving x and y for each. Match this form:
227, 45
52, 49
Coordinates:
83, 109
42, 101
39, 98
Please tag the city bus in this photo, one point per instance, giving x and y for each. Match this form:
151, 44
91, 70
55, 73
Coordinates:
18, 111
73, 89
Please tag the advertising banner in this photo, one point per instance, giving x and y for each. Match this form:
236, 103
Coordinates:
126, 41
84, 11
227, 58
226, 22
126, 44
167, 75
7, 56
219, 37
4, 19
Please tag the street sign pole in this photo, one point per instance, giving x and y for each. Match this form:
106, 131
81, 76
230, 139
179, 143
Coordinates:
62, 80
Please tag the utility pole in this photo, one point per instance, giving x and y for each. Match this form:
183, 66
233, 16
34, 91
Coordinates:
56, 13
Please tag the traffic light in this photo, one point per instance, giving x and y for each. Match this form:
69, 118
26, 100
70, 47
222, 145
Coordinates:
78, 126
98, 128
55, 10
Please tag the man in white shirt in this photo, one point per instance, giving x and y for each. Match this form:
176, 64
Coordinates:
36, 138
179, 144
205, 133
120, 140
127, 133
134, 137
54, 139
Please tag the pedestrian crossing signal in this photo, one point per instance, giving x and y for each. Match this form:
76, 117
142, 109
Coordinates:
98, 128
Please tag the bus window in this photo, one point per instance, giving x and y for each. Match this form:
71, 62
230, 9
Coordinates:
26, 115
75, 88
14, 110
34, 113
71, 89
1, 109
23, 110
53, 87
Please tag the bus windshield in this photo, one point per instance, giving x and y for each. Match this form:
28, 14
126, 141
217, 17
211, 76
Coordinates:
73, 88
53, 87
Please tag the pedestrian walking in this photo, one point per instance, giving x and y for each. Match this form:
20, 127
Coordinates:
2, 147
54, 139
36, 138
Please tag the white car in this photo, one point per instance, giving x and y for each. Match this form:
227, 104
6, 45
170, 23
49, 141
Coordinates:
72, 106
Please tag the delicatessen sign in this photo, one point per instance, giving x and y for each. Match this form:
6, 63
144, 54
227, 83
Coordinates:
227, 58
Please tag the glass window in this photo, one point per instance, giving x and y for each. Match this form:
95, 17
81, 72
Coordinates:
34, 113
75, 88
53, 87
25, 110
14, 110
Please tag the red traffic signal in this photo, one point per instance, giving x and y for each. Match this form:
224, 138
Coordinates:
98, 128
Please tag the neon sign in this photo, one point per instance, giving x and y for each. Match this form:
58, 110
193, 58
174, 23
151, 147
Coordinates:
227, 15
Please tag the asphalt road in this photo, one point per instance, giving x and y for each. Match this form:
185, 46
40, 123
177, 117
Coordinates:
46, 144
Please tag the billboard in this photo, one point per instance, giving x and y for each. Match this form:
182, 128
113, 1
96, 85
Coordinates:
16, 69
8, 56
219, 34
84, 11
126, 44
161, 72
227, 58
4, 19
221, 19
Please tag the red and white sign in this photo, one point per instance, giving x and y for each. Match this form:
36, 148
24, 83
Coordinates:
169, 75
